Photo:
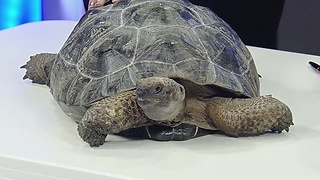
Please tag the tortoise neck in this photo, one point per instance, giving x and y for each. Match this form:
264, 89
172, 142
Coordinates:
166, 114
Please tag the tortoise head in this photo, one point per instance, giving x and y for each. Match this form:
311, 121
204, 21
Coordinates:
161, 99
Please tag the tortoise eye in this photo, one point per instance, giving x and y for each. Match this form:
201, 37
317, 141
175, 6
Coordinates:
157, 89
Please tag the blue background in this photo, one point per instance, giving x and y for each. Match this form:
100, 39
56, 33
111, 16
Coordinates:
15, 12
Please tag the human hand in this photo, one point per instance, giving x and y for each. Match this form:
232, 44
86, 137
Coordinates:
98, 3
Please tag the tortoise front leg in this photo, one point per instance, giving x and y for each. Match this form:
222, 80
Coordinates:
109, 116
249, 116
39, 67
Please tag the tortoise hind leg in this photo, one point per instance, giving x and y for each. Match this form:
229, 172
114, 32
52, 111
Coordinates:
165, 133
38, 68
251, 116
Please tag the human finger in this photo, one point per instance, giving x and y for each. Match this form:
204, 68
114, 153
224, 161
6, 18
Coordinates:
96, 3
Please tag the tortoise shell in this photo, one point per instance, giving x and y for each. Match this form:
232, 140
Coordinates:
114, 46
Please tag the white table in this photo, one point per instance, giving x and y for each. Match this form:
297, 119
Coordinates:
38, 141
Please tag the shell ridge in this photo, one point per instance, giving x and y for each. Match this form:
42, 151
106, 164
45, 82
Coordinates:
136, 46
85, 91
201, 44
64, 59
82, 93
195, 12
121, 17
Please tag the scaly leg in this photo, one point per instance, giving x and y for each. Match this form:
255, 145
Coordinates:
249, 116
111, 115
39, 67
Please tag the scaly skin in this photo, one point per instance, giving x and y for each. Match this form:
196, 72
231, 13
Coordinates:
111, 115
249, 116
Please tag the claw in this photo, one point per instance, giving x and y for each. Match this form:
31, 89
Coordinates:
23, 66
287, 129
25, 77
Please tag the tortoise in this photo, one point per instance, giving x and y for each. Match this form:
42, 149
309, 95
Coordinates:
166, 70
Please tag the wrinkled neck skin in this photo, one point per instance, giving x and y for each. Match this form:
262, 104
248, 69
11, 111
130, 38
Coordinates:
164, 114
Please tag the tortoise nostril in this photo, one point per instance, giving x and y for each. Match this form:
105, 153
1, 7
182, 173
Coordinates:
141, 92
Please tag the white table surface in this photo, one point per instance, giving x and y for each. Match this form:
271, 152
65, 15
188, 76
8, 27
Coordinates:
38, 141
